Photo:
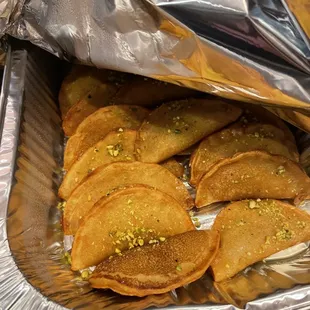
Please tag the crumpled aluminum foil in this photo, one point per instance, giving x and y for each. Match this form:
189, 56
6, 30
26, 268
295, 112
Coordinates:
245, 50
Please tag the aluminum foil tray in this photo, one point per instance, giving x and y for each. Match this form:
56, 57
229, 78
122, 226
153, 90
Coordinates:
33, 273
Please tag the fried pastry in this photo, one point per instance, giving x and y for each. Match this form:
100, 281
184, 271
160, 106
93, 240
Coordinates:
175, 126
128, 218
252, 230
95, 99
156, 269
239, 138
254, 174
107, 178
78, 83
257, 114
173, 166
149, 92
96, 126
115, 146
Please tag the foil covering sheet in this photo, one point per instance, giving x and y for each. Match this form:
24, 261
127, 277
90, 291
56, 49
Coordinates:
246, 50
33, 272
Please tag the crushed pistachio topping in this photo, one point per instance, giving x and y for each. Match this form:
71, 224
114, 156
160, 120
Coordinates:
241, 223
284, 234
60, 171
114, 150
196, 222
268, 208
177, 131
61, 205
255, 135
178, 268
280, 170
67, 257
267, 241
253, 205
134, 237
152, 241
90, 170
185, 177
176, 119
191, 213
301, 224
85, 274
175, 106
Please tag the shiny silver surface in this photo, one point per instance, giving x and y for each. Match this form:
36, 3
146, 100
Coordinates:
246, 50
33, 273
16, 292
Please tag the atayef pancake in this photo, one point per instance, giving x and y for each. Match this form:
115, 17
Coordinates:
95, 99
253, 175
79, 81
122, 89
175, 126
173, 166
107, 178
128, 218
252, 230
179, 260
97, 125
254, 113
115, 146
139, 90
240, 138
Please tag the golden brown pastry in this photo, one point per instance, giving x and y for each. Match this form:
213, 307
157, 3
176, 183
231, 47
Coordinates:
115, 146
107, 178
239, 138
254, 174
252, 230
96, 126
78, 83
96, 98
258, 114
88, 89
175, 126
173, 166
128, 218
159, 268
143, 91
